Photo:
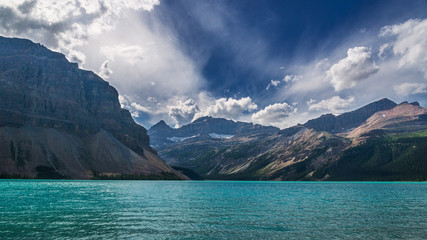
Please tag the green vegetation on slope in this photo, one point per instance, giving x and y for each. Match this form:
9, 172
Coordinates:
408, 135
392, 158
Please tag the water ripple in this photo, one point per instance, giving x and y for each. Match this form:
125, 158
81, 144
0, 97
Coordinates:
36, 209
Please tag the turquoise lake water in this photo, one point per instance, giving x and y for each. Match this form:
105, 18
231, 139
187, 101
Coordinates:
38, 209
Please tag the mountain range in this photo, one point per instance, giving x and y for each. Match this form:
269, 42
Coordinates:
59, 121
380, 141
202, 129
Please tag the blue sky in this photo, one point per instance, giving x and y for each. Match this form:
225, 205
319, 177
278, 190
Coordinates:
270, 62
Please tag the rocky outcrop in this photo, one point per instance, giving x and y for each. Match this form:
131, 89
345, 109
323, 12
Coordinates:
347, 121
42, 93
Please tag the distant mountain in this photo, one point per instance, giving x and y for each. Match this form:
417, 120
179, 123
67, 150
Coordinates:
257, 157
390, 145
204, 128
346, 121
58, 121
387, 145
404, 118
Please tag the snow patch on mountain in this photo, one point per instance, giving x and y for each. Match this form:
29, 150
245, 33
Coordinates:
222, 136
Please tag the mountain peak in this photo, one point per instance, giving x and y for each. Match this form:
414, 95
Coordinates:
384, 100
410, 116
349, 120
161, 124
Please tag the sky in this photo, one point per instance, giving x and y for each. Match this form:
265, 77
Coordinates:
271, 62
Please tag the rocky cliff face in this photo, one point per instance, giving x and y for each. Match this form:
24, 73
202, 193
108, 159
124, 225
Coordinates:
40, 89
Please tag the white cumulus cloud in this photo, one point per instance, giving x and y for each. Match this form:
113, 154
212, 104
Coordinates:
273, 83
134, 108
358, 65
290, 78
273, 114
406, 89
229, 108
286, 79
183, 112
335, 104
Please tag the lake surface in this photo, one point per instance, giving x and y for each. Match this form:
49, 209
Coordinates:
42, 209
